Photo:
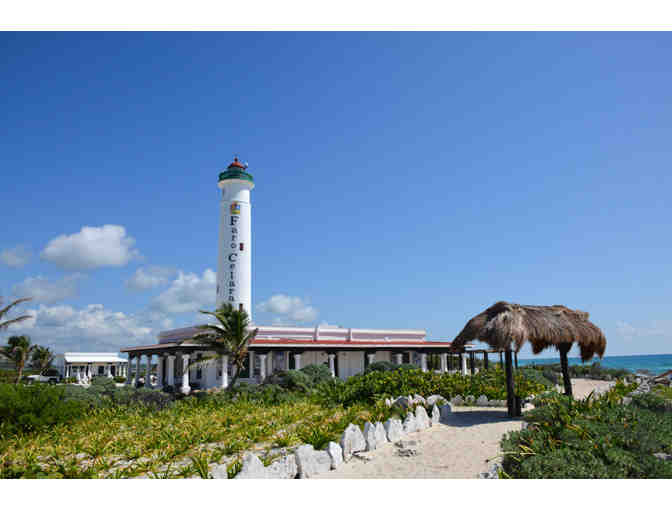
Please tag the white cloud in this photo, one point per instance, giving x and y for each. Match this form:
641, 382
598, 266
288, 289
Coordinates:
15, 257
92, 328
149, 277
289, 307
657, 328
188, 293
91, 247
43, 290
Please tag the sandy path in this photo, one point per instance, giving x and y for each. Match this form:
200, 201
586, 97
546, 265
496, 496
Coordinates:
457, 449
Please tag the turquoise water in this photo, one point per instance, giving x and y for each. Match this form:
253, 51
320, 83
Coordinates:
654, 363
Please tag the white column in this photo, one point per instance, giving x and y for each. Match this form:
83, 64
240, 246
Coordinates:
297, 361
159, 371
371, 358
251, 364
107, 370
464, 364
148, 383
224, 378
399, 358
170, 370
262, 367
185, 374
287, 355
137, 368
269, 363
128, 372
423, 362
444, 363
332, 364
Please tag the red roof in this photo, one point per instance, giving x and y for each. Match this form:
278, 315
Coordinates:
236, 164
343, 342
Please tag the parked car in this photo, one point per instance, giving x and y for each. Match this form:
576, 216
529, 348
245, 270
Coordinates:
50, 376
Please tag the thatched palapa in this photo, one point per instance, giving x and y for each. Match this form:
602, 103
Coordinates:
506, 326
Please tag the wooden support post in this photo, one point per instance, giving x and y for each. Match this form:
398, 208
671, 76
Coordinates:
472, 360
515, 356
510, 389
485, 360
564, 349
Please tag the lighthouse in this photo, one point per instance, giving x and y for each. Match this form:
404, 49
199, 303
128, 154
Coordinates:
234, 266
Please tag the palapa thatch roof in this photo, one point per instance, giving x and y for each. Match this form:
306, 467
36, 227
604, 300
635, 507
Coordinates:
504, 324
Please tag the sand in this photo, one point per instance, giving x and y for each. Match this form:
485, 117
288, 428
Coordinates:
460, 448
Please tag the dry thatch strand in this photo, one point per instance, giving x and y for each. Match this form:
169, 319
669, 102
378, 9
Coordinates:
504, 324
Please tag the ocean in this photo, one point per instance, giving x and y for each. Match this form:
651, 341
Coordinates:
654, 363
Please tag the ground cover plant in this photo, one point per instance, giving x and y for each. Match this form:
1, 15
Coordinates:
127, 432
597, 437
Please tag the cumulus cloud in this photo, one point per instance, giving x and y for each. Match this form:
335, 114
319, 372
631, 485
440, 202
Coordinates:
15, 257
46, 291
288, 308
188, 293
656, 328
148, 277
90, 248
92, 328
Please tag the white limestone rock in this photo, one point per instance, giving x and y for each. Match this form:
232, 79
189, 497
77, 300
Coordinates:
403, 402
381, 436
457, 400
352, 440
435, 399
436, 415
336, 453
421, 418
388, 402
370, 436
310, 462
393, 429
419, 399
482, 401
252, 468
409, 424
284, 468
469, 400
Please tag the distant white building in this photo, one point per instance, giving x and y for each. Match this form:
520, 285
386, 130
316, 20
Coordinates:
85, 365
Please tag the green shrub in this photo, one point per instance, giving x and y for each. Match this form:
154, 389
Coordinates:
316, 374
119, 379
381, 366
407, 366
373, 386
591, 438
35, 407
538, 377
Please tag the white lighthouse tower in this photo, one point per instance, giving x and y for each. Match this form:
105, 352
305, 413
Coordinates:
234, 267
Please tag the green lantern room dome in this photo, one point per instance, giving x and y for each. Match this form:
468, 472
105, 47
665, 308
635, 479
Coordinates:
236, 170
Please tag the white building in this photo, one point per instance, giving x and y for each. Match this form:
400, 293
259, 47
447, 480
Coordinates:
85, 365
345, 351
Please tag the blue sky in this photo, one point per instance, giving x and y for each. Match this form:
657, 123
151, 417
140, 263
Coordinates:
403, 180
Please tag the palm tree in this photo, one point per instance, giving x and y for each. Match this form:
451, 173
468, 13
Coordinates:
3, 312
18, 350
231, 337
42, 358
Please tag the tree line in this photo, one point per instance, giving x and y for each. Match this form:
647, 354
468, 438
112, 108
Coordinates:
19, 349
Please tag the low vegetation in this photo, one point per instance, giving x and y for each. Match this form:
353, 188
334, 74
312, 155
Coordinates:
596, 437
105, 431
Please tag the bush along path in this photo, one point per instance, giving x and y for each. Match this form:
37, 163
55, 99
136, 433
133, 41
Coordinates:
612, 435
